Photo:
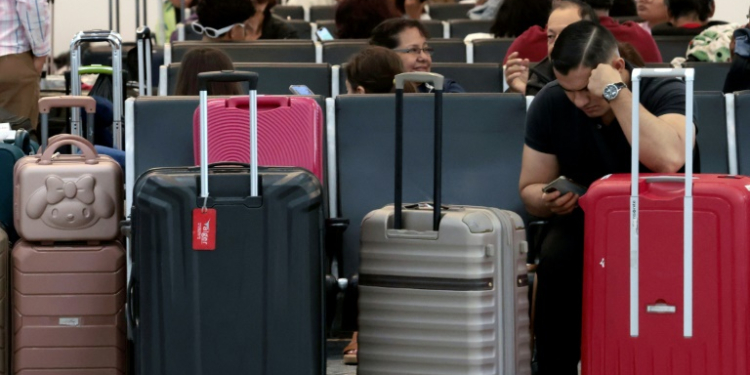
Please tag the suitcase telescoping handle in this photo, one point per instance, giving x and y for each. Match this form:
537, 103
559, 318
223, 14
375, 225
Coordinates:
228, 76
115, 42
143, 35
46, 104
689, 75
437, 81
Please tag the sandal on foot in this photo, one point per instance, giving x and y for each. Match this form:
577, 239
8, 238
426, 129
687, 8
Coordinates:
350, 351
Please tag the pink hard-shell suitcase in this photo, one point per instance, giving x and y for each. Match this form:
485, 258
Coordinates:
67, 197
68, 306
666, 271
290, 132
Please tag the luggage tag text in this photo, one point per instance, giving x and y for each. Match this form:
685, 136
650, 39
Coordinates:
204, 229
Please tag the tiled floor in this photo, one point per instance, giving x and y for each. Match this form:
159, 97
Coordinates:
335, 365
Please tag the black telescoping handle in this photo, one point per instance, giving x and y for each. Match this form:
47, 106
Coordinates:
437, 81
143, 33
227, 76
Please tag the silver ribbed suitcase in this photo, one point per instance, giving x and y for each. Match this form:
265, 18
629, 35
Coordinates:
442, 290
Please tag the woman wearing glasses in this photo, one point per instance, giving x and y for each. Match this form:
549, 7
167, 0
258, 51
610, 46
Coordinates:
224, 20
408, 38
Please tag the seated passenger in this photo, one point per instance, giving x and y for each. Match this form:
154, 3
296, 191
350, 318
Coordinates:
738, 78
408, 38
264, 25
224, 20
201, 60
372, 70
652, 12
687, 17
533, 43
574, 129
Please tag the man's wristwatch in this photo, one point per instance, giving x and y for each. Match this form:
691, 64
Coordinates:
612, 90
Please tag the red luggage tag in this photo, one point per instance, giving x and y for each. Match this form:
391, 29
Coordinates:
204, 229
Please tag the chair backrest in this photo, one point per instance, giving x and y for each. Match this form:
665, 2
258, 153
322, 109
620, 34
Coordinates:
448, 50
672, 46
434, 28
275, 78
289, 12
322, 12
481, 157
330, 25
491, 50
449, 11
462, 28
302, 27
742, 124
711, 122
160, 132
257, 51
337, 52
474, 78
709, 76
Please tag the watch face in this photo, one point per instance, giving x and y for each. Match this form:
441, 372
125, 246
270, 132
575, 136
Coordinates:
610, 92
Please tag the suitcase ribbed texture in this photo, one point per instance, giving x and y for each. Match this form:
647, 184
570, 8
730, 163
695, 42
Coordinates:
447, 302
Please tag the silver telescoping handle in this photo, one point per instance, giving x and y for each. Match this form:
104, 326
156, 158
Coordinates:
115, 42
689, 75
228, 76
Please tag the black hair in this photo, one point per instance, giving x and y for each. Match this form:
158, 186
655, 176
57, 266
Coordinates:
623, 8
386, 34
686, 8
516, 16
584, 10
582, 44
222, 13
601, 4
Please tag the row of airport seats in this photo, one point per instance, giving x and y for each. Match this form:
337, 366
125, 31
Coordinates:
329, 80
456, 30
484, 135
328, 12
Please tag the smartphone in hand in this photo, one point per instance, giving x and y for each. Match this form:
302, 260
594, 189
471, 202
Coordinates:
564, 186
323, 34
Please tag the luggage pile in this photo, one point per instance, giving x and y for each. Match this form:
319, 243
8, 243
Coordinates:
68, 268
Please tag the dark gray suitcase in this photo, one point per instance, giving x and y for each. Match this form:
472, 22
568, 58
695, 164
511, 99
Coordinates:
254, 305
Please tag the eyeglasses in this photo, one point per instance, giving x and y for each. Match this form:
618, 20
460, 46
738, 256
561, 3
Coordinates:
416, 50
211, 32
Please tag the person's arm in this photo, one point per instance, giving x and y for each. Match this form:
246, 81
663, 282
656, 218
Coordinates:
537, 170
662, 138
35, 19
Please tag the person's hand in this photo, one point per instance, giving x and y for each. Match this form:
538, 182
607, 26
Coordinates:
414, 8
560, 205
39, 63
517, 73
603, 75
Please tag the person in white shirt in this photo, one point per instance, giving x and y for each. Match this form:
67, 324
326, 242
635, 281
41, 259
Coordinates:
25, 44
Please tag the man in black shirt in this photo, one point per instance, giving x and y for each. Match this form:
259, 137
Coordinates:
580, 126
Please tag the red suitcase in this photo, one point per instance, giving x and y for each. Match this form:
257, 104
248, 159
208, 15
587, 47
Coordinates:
660, 307
290, 132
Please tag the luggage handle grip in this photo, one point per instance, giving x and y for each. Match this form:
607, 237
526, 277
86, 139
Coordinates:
437, 81
636, 75
89, 152
228, 76
268, 102
95, 69
652, 180
143, 32
86, 102
422, 77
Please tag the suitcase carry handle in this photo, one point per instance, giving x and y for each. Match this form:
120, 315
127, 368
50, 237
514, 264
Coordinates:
228, 76
95, 69
689, 75
46, 104
437, 82
88, 150
143, 35
115, 41
264, 103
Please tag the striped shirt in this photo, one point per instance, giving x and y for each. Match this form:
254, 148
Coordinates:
24, 26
